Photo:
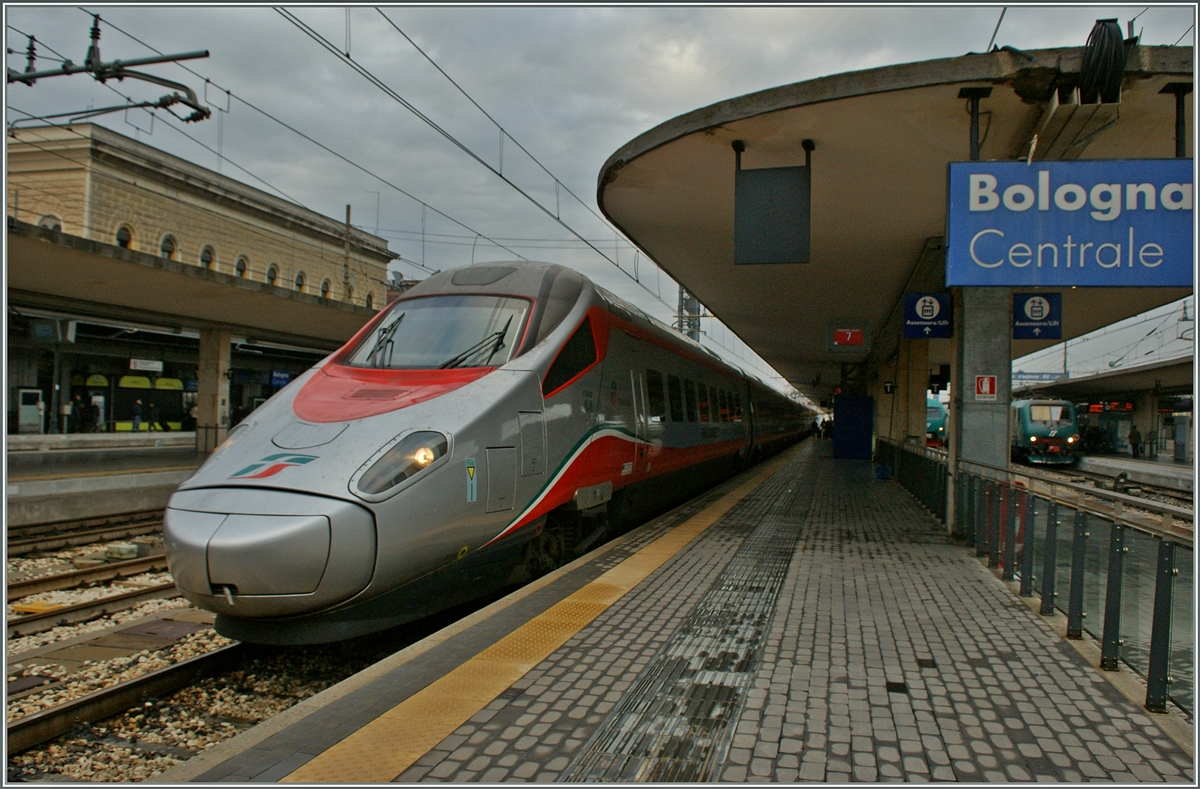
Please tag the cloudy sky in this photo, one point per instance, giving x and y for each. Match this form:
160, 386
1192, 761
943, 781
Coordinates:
569, 85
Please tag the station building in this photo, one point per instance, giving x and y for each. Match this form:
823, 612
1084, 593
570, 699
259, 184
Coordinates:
86, 183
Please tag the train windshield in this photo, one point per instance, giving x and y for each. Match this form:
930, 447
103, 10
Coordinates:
441, 332
1051, 414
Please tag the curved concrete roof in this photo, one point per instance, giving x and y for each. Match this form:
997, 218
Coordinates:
883, 140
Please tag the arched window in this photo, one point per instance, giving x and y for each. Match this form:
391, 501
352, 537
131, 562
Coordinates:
370, 300
125, 237
272, 274
325, 287
300, 281
168, 247
207, 257
50, 222
242, 266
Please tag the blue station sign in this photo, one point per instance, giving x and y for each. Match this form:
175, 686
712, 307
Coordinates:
1037, 316
1105, 223
928, 315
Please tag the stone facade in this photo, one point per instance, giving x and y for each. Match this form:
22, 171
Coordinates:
100, 185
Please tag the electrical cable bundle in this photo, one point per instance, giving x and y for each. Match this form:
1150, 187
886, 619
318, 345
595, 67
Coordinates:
1103, 64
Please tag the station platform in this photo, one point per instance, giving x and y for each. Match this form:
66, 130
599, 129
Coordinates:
1164, 471
90, 475
801, 622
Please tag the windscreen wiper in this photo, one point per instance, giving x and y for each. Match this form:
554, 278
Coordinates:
495, 338
384, 343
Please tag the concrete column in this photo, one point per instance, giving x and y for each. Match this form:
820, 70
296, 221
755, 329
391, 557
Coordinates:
885, 404
212, 396
914, 362
1145, 413
983, 346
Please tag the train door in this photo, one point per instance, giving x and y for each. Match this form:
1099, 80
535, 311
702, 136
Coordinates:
637, 386
616, 408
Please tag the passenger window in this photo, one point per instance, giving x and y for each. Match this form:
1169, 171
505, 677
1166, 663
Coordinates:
714, 404
737, 407
577, 355
703, 395
654, 390
724, 407
675, 392
689, 392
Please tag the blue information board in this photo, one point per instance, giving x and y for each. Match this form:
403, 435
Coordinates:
1037, 316
928, 315
1104, 223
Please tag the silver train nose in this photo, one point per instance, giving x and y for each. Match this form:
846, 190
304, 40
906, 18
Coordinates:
263, 553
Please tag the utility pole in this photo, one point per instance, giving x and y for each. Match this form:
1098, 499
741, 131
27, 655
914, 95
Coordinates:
689, 314
346, 260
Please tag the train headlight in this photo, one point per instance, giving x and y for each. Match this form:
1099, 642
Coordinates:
408, 457
1072, 439
425, 455
1033, 439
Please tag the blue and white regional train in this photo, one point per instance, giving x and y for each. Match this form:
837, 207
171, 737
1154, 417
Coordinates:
495, 422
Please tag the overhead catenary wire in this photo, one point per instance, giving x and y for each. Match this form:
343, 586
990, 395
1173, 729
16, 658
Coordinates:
315, 142
388, 91
657, 296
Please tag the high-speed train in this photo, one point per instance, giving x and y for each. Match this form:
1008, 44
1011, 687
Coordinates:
490, 425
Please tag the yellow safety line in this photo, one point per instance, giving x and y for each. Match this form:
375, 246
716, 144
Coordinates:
77, 475
390, 744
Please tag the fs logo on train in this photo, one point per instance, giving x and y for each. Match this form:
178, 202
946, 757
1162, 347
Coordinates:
272, 465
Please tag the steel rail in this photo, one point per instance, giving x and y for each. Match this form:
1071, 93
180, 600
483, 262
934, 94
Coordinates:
31, 730
83, 612
73, 578
30, 530
71, 539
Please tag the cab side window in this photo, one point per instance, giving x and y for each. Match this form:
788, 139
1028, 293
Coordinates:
654, 392
577, 354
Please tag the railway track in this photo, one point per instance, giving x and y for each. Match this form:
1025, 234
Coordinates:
69, 580
32, 730
135, 729
86, 611
1121, 484
56, 536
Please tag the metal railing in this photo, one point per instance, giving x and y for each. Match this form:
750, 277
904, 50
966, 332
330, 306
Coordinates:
208, 437
922, 471
1119, 567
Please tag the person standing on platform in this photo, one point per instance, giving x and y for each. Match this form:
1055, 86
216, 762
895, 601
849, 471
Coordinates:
1135, 441
76, 425
152, 417
137, 415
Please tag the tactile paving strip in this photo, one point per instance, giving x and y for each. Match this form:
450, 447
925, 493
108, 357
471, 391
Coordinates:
676, 722
391, 743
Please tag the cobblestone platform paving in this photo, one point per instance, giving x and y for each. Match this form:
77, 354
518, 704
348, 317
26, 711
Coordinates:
887, 653
893, 655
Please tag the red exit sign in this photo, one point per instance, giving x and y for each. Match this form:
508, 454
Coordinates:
847, 336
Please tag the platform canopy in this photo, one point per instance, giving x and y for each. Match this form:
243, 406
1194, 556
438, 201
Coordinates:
52, 271
883, 141
1170, 377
